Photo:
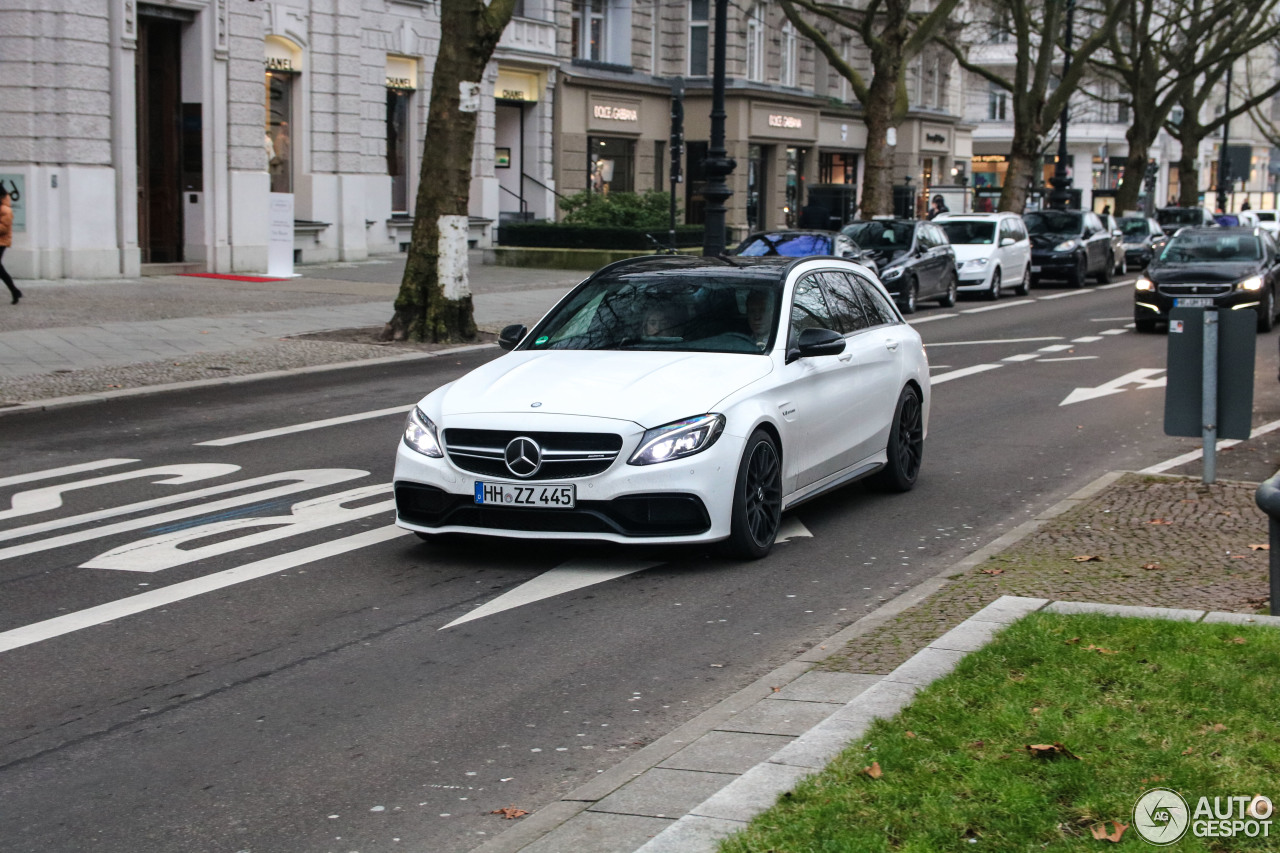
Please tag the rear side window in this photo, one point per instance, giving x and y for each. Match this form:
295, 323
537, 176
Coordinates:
845, 305
809, 309
877, 307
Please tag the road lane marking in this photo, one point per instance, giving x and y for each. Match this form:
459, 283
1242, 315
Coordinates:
1145, 377
310, 425
1069, 358
1056, 348
996, 341
567, 577
115, 610
998, 306
1223, 444
1125, 283
918, 320
1064, 294
1114, 332
1087, 339
962, 372
792, 528
50, 473
173, 548
1026, 356
48, 498
302, 480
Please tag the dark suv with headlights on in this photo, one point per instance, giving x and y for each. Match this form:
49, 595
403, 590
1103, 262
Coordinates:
1070, 245
914, 258
1232, 268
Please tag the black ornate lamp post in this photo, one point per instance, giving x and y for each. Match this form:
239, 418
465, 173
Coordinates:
1061, 181
718, 165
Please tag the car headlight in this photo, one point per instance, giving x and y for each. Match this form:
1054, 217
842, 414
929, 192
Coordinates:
975, 263
1251, 283
1144, 283
421, 434
677, 439
1066, 246
892, 272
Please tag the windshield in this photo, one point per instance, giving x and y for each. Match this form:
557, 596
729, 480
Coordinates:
969, 233
1052, 222
891, 238
1209, 248
683, 312
1135, 227
785, 245
1180, 216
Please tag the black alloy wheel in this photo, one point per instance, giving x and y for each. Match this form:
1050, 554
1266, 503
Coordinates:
1080, 273
910, 290
952, 292
994, 293
757, 499
905, 449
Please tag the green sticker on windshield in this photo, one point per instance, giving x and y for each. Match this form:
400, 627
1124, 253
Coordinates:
540, 341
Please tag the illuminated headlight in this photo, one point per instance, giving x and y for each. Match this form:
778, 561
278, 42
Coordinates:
1067, 246
975, 263
421, 434
1144, 283
1251, 283
678, 439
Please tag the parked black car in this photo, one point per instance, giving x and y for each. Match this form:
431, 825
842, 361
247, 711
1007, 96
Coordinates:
1216, 267
1143, 239
1173, 218
1070, 245
802, 243
915, 259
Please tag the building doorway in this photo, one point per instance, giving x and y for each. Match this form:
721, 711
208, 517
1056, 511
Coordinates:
158, 85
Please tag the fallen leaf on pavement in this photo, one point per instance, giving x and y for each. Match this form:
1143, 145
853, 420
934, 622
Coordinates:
1100, 831
776, 689
874, 770
993, 571
1159, 521
1087, 558
1151, 567
510, 812
1259, 547
1050, 750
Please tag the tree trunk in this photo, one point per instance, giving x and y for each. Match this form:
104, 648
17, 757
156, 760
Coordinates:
1188, 170
1140, 135
877, 178
1020, 173
434, 302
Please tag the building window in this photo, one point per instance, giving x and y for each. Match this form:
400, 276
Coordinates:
278, 143
612, 165
997, 103
1001, 32
837, 167
698, 41
398, 147
787, 73
587, 32
755, 43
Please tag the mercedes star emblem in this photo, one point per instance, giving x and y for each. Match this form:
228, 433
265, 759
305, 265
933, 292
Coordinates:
523, 456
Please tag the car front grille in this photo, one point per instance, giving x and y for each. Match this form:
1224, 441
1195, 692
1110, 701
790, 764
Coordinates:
565, 455
1195, 289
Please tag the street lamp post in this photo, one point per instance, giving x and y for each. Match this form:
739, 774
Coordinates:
718, 165
1061, 180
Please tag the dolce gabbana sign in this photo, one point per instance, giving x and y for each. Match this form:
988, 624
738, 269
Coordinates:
614, 113
776, 120
782, 122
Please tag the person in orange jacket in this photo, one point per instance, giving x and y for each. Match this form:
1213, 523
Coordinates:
6, 240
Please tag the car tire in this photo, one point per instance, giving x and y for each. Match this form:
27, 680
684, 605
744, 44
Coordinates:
994, 292
905, 449
1107, 272
910, 290
1024, 287
952, 293
1267, 312
1078, 275
757, 499
1145, 326
1123, 267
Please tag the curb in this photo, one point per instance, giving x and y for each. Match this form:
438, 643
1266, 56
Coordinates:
534, 832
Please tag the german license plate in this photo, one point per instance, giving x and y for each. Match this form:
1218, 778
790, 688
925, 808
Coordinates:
1035, 269
1193, 302
545, 495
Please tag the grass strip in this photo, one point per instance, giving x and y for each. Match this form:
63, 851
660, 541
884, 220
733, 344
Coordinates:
1142, 704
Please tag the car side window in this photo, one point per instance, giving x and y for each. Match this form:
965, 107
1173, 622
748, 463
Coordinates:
923, 241
877, 307
809, 309
846, 307
1092, 225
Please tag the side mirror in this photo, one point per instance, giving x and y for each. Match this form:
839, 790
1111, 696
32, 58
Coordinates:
816, 342
511, 335
1007, 241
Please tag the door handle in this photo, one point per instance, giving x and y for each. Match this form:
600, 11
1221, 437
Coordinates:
845, 357
891, 346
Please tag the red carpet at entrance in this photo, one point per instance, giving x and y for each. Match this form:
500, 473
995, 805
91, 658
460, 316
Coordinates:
231, 277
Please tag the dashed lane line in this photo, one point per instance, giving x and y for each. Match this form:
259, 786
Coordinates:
304, 427
998, 306
962, 372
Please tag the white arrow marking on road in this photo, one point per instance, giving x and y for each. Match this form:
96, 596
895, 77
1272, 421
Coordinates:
565, 578
1141, 378
50, 473
46, 498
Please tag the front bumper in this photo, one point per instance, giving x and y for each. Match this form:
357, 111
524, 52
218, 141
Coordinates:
974, 279
1138, 255
682, 500
1053, 264
1156, 304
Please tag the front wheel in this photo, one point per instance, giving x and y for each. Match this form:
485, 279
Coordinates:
906, 444
757, 499
1267, 312
952, 293
1024, 287
1080, 273
1107, 272
994, 293
910, 290
1144, 325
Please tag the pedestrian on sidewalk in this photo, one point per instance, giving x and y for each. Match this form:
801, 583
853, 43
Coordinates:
6, 240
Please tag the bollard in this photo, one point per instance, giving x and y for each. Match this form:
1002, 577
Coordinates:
1268, 500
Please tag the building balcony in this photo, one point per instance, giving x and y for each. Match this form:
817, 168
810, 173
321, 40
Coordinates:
530, 37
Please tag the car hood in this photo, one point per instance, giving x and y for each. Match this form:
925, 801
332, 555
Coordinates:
888, 257
1048, 241
1200, 273
648, 388
969, 251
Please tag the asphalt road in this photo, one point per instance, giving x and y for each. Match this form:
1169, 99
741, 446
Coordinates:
281, 678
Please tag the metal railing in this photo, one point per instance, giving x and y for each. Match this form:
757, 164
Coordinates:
1268, 499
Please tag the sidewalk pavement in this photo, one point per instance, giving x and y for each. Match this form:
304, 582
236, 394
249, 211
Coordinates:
1127, 539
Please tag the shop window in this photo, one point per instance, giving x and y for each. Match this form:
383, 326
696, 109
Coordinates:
787, 73
698, 52
398, 147
278, 143
612, 165
837, 167
796, 158
755, 43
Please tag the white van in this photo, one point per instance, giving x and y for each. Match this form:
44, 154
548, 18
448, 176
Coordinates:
1268, 219
993, 252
